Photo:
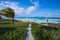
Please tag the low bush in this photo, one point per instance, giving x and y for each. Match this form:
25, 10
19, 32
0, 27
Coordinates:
41, 32
18, 32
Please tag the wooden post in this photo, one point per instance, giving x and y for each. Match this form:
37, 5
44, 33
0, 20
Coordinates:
47, 21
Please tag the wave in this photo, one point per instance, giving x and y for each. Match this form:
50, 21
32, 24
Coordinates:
54, 20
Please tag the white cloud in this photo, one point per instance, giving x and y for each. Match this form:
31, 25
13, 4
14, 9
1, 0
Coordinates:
14, 5
36, 3
18, 10
30, 9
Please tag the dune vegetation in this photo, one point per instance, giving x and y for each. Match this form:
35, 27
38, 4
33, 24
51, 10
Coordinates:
41, 32
18, 32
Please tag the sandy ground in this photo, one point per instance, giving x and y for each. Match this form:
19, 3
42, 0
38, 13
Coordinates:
29, 34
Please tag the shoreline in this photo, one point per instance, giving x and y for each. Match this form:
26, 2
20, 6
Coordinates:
40, 22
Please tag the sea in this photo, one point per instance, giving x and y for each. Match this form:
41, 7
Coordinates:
39, 19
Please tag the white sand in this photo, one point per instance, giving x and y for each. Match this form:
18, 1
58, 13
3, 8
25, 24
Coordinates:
29, 34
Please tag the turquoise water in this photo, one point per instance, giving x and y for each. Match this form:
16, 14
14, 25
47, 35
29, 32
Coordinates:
38, 19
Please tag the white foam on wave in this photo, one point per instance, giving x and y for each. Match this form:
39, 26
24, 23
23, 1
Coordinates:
39, 20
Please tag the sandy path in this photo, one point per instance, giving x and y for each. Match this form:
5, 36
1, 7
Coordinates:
29, 34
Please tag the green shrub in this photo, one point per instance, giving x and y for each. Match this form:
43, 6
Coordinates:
7, 32
41, 32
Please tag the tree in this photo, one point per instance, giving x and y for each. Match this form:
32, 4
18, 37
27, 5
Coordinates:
0, 18
8, 12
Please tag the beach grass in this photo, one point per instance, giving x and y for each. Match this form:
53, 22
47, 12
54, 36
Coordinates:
18, 32
42, 32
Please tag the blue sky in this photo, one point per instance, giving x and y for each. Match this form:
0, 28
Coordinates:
33, 8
